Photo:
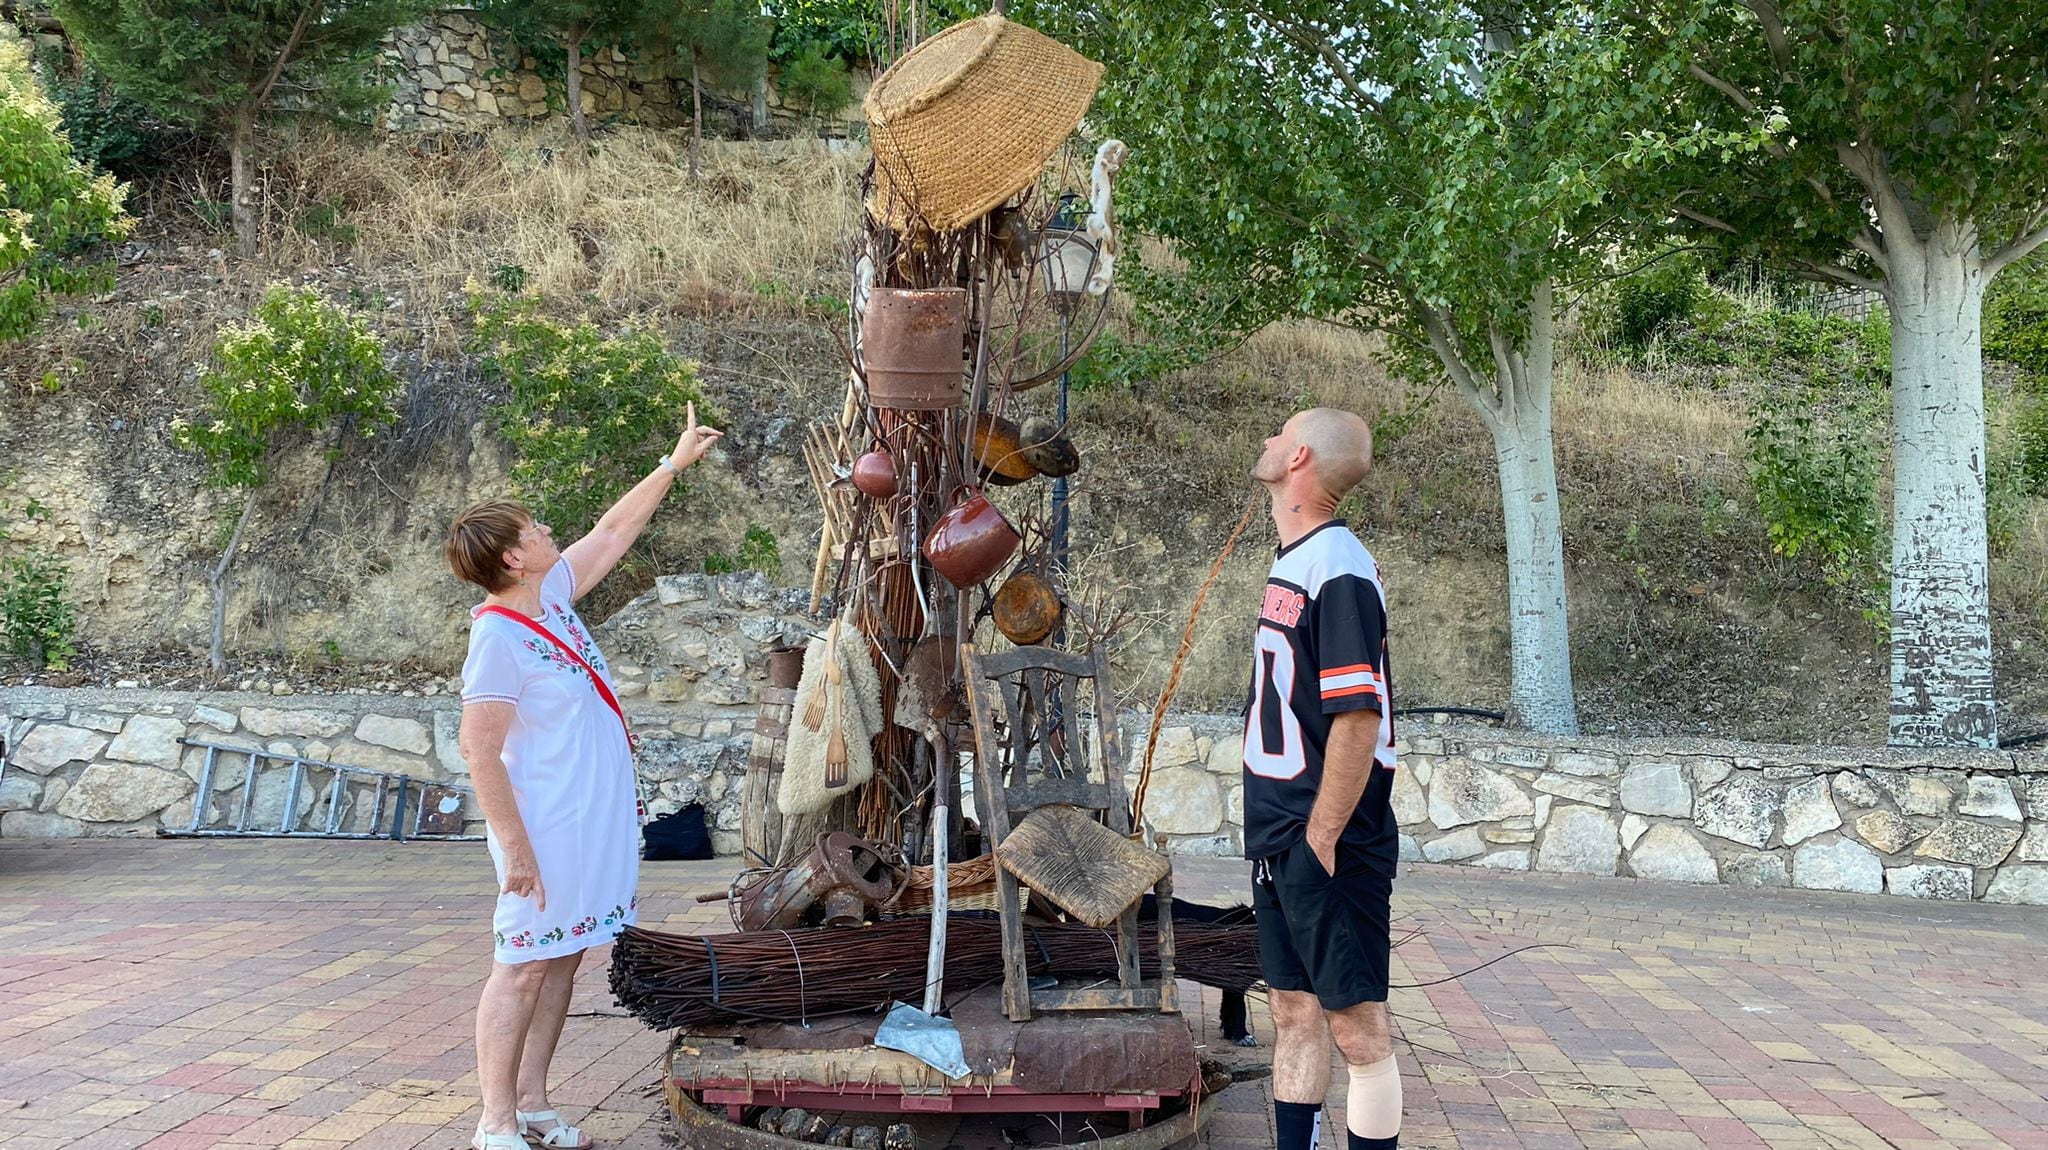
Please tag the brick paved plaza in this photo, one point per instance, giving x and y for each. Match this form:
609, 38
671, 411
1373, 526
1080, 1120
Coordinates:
299, 994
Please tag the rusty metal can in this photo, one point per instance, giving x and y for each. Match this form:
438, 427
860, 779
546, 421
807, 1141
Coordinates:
914, 348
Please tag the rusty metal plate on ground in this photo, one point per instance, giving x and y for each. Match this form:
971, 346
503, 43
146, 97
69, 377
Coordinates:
440, 811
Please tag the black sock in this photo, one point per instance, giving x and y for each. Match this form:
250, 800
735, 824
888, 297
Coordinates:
1358, 1142
1296, 1124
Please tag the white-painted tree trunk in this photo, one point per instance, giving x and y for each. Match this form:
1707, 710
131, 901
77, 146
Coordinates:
1514, 401
1540, 691
1940, 584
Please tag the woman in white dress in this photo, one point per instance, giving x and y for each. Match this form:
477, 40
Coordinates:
553, 771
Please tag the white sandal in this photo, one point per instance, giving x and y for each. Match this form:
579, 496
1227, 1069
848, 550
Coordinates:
562, 1137
483, 1141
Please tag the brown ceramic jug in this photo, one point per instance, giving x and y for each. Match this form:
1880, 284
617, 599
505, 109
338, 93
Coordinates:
971, 542
874, 474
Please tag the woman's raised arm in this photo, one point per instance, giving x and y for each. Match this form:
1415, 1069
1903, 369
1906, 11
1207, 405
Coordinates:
592, 557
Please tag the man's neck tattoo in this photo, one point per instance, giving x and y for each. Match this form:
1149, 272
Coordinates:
1296, 509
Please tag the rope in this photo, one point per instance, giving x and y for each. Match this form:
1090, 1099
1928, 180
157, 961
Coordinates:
1187, 645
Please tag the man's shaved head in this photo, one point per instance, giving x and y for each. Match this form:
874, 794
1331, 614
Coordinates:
1338, 447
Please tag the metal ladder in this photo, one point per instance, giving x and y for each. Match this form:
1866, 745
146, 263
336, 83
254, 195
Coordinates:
401, 807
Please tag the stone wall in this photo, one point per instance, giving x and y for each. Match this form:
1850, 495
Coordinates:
1954, 825
451, 71
688, 657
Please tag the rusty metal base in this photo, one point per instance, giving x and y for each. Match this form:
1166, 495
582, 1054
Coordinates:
1131, 1062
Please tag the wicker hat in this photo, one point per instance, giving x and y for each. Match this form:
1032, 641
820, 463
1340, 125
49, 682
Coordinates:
968, 118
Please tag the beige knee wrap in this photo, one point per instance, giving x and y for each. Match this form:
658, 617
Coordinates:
1372, 1108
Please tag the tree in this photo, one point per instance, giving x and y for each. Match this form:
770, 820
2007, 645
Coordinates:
55, 215
301, 367
1404, 169
1908, 156
223, 65
817, 84
726, 42
574, 25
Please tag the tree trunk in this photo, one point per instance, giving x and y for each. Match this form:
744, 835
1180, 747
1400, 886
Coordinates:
241, 142
696, 115
573, 41
1515, 406
217, 584
761, 102
1540, 686
1940, 583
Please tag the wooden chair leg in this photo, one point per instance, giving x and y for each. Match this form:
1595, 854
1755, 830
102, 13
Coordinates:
1169, 990
1016, 971
1128, 974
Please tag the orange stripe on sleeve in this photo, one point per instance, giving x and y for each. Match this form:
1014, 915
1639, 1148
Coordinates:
1351, 670
1361, 689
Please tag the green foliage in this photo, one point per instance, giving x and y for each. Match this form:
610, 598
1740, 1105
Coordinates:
726, 39
1816, 487
300, 364
1657, 297
109, 130
55, 214
1938, 102
1114, 362
200, 62
2016, 317
817, 83
853, 31
509, 278
586, 413
36, 621
2028, 438
759, 550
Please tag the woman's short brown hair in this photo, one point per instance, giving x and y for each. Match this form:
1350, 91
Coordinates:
479, 538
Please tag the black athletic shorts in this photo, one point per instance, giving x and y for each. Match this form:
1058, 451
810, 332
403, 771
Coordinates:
1327, 936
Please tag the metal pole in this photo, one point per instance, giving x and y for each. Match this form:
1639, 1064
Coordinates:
1059, 484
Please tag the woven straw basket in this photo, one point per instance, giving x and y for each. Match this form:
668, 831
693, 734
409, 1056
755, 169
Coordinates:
968, 118
970, 885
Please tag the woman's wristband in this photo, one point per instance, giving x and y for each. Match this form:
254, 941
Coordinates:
670, 465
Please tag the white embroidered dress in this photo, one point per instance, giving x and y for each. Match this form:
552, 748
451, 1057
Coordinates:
572, 776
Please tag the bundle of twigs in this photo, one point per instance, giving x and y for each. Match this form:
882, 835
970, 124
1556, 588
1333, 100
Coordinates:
672, 981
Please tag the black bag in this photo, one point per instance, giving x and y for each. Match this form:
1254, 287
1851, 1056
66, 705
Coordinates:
680, 835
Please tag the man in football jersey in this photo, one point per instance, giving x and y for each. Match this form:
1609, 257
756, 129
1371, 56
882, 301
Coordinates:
1319, 826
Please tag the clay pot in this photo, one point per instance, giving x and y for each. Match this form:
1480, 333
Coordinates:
1049, 453
874, 474
971, 542
997, 446
1027, 608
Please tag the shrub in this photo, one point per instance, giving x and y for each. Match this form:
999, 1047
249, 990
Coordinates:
1657, 298
586, 413
299, 364
2016, 317
55, 213
108, 130
35, 610
1816, 488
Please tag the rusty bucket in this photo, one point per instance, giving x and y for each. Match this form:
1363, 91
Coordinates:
914, 347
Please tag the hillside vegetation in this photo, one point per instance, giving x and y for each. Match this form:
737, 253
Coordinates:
1721, 454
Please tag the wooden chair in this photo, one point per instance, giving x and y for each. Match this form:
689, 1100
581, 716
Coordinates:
1029, 754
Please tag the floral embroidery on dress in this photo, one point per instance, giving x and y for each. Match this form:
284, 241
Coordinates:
551, 937
551, 656
584, 646
618, 912
521, 941
587, 926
